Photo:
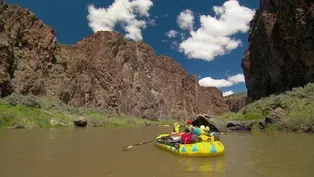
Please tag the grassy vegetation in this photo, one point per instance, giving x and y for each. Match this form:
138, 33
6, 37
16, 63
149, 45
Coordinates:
31, 111
297, 103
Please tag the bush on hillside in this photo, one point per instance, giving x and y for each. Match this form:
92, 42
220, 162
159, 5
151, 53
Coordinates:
298, 103
297, 98
48, 103
24, 100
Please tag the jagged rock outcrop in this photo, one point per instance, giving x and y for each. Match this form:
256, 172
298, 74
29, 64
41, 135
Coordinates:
103, 70
236, 102
280, 55
218, 125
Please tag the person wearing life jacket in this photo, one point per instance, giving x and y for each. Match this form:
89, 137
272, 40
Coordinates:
176, 127
213, 136
196, 132
186, 137
188, 125
175, 135
204, 134
203, 130
207, 129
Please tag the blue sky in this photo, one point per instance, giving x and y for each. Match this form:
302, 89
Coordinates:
198, 34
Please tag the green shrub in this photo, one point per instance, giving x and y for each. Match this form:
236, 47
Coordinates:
253, 116
32, 111
273, 127
25, 100
244, 117
298, 103
301, 118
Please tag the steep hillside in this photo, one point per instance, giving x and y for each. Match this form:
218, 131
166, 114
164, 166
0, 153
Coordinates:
289, 111
280, 55
236, 102
103, 70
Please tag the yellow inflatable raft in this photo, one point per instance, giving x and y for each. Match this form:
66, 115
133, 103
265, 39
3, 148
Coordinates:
200, 149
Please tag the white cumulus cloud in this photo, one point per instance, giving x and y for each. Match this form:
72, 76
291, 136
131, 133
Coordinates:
227, 93
210, 82
238, 78
230, 81
214, 37
186, 20
172, 34
123, 12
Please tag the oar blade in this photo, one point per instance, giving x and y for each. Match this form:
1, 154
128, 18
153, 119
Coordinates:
125, 148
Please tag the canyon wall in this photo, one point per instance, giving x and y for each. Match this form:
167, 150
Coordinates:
103, 70
280, 55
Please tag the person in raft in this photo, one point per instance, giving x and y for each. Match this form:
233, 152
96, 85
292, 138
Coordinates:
191, 134
175, 135
214, 136
176, 128
188, 125
204, 133
188, 136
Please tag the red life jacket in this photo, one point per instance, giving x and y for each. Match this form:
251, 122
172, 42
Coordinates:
186, 138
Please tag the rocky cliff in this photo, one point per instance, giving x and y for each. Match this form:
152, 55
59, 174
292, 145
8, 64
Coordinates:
103, 70
236, 102
280, 55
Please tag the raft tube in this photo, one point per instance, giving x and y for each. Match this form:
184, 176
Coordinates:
200, 149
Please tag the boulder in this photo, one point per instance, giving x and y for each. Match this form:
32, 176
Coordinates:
222, 126
213, 123
80, 122
275, 117
262, 124
240, 125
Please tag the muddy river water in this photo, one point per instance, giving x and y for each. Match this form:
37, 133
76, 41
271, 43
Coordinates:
96, 152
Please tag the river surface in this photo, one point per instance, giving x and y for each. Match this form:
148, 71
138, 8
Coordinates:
96, 152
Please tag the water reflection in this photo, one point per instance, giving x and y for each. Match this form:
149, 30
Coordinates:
281, 154
213, 164
57, 134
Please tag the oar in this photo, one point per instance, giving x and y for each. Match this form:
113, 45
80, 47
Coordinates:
124, 148
128, 147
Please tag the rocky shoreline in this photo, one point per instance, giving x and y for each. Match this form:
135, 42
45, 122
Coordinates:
290, 111
274, 121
